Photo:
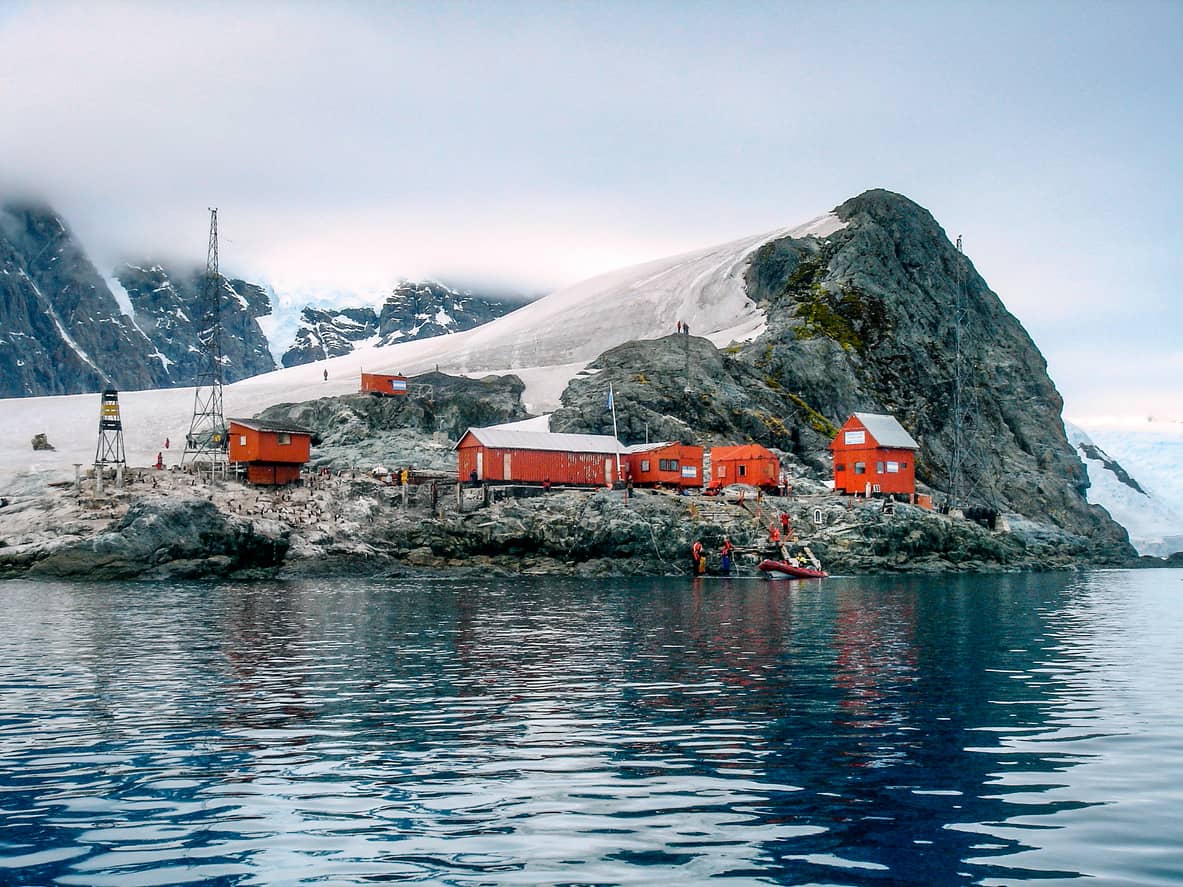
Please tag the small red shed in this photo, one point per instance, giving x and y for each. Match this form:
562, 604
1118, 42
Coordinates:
273, 452
747, 464
669, 464
508, 455
383, 384
874, 454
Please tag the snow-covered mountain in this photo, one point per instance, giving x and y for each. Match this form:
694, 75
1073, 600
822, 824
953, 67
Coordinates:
166, 305
1135, 477
61, 329
329, 332
413, 310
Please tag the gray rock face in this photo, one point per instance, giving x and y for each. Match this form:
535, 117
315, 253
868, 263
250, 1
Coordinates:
61, 330
682, 388
863, 321
424, 310
327, 333
170, 309
167, 537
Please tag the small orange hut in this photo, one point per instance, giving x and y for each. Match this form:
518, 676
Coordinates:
669, 464
273, 452
383, 384
748, 464
874, 454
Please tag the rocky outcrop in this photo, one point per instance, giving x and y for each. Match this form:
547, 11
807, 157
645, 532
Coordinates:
170, 308
61, 329
682, 388
326, 333
438, 402
166, 537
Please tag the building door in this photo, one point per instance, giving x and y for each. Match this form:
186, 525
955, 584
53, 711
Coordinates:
607, 472
480, 464
506, 473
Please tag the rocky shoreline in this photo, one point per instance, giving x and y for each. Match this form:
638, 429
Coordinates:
168, 524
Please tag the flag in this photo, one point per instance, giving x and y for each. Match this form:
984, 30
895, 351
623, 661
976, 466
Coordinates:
609, 397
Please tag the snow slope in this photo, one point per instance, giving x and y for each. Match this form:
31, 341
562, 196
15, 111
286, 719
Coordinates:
1151, 453
545, 343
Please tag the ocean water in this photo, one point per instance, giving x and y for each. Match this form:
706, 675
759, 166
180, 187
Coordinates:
935, 730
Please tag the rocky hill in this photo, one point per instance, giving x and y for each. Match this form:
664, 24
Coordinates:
860, 319
168, 307
61, 329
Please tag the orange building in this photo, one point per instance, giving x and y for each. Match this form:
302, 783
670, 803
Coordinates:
748, 464
508, 455
273, 452
383, 384
874, 454
669, 464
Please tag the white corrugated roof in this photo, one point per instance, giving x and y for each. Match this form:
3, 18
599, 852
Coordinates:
646, 447
887, 431
544, 440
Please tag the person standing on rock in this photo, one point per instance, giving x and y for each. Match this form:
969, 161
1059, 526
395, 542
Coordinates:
698, 562
725, 557
785, 526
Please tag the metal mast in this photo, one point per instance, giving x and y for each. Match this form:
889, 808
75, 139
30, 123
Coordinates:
110, 447
207, 440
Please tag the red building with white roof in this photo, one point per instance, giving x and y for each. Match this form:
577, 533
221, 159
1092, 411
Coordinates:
874, 454
666, 463
508, 455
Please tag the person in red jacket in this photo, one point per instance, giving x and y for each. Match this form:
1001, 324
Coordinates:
697, 558
725, 557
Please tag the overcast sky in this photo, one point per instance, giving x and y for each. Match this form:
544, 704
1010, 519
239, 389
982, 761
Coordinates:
532, 145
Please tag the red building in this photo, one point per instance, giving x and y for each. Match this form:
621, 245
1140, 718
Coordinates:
748, 464
383, 384
874, 454
507, 455
273, 452
668, 464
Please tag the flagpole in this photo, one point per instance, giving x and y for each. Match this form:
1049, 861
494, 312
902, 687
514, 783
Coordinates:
615, 434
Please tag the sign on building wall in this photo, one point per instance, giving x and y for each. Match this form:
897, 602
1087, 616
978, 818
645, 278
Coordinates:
853, 438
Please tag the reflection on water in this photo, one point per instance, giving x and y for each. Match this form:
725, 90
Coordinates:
935, 730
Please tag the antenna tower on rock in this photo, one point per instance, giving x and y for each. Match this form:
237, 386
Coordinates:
207, 438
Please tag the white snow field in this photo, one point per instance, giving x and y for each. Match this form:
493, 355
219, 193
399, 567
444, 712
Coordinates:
1151, 453
545, 343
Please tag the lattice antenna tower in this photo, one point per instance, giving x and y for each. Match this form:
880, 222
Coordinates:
965, 454
110, 447
207, 438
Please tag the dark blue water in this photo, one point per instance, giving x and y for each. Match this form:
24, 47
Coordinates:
854, 731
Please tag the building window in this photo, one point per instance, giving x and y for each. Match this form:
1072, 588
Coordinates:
903, 465
242, 440
283, 438
839, 467
722, 471
743, 470
878, 467
893, 467
860, 467
668, 464
644, 464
